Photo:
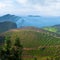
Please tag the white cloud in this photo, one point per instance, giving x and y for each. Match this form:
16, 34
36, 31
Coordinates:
50, 8
2, 5
40, 7
22, 2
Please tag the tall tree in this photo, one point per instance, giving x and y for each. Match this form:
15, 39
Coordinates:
6, 49
17, 50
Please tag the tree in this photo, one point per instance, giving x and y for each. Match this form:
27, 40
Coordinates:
11, 52
47, 59
6, 49
17, 50
52, 58
35, 58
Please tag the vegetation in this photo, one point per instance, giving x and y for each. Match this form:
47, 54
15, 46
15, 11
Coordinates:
55, 28
51, 29
9, 52
38, 45
33, 39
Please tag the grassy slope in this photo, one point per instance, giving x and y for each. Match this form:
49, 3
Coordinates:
45, 44
52, 29
31, 38
55, 29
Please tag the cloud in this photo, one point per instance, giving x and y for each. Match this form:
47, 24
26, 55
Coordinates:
25, 7
2, 5
22, 1
47, 7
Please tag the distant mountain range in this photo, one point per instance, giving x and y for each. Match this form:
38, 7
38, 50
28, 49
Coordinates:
8, 22
31, 20
38, 21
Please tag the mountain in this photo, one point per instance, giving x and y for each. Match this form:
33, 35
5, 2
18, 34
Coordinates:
5, 26
37, 21
55, 28
9, 17
32, 37
31, 20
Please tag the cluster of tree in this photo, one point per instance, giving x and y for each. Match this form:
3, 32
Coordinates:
11, 52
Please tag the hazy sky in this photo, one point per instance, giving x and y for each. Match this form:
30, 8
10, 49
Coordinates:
29, 7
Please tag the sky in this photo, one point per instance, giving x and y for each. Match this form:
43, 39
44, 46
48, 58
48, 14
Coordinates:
30, 7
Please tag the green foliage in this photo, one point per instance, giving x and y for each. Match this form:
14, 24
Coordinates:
17, 50
8, 43
33, 39
17, 42
43, 44
47, 59
9, 52
35, 58
6, 49
52, 29
55, 29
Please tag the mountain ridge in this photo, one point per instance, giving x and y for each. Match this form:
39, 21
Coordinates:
9, 17
31, 20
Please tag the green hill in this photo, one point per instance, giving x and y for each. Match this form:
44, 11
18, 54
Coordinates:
36, 42
33, 37
55, 28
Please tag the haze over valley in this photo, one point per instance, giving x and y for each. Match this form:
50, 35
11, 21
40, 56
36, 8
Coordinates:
31, 20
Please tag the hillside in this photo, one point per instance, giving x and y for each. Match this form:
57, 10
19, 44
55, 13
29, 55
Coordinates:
9, 17
33, 37
36, 42
55, 28
5, 26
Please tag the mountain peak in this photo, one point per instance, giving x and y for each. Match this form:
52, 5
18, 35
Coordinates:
9, 17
